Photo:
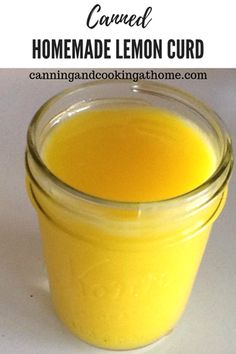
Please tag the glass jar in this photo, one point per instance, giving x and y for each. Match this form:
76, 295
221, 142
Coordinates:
121, 273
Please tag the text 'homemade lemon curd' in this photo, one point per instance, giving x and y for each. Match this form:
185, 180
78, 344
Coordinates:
127, 181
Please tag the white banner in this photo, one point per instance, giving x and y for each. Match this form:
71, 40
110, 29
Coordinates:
110, 34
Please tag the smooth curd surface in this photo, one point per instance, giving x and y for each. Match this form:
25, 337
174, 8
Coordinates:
129, 154
114, 281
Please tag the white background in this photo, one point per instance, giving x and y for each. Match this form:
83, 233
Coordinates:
211, 21
28, 324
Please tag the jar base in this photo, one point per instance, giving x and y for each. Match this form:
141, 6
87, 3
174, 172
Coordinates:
135, 349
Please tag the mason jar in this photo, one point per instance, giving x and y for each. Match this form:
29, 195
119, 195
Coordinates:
121, 273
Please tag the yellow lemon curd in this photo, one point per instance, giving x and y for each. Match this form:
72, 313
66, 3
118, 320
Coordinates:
129, 154
122, 280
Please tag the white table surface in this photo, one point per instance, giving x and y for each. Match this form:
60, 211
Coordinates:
28, 324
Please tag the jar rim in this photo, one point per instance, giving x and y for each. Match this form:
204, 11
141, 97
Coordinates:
224, 166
